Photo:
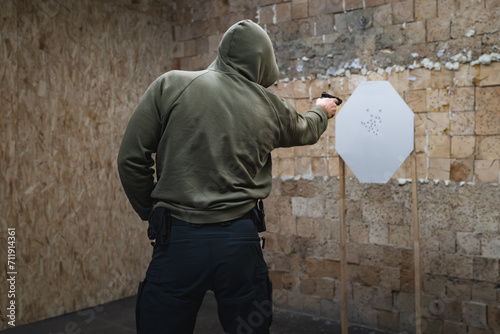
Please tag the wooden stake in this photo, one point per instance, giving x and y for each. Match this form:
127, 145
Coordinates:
416, 246
343, 247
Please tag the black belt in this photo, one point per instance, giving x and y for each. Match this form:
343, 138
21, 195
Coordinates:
178, 222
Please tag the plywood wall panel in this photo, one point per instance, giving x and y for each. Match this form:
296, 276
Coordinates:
80, 69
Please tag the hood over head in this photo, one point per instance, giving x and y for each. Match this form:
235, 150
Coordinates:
247, 49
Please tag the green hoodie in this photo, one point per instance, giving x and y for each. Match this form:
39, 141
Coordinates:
213, 132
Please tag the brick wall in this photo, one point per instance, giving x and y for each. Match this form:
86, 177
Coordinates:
442, 58
459, 240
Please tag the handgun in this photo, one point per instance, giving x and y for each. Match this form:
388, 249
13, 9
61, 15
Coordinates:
326, 95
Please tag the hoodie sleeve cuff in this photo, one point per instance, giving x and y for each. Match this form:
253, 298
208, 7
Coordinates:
321, 112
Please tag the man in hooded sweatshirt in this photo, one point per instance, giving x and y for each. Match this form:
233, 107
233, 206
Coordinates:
212, 132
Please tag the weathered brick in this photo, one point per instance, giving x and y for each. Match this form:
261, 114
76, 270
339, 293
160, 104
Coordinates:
308, 286
468, 243
304, 188
290, 282
438, 123
407, 281
362, 297
325, 287
488, 113
319, 166
479, 19
388, 320
415, 99
399, 82
190, 48
446, 8
484, 292
494, 318
301, 89
370, 275
399, 235
462, 99
461, 170
359, 232
283, 12
382, 16
392, 37
379, 233
280, 297
434, 285
492, 4
474, 314
300, 9
383, 298
486, 217
490, 244
458, 265
312, 304
446, 240
402, 12
288, 224
183, 32
295, 300
486, 269
375, 76
442, 80
432, 262
390, 278
432, 325
439, 146
438, 100
303, 166
353, 4
463, 147
476, 330
432, 306
415, 32
365, 44
421, 79
488, 147
466, 76
454, 327
317, 7
284, 167
425, 9
266, 15
463, 123
438, 29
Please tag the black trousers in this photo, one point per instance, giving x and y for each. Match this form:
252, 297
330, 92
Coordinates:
225, 258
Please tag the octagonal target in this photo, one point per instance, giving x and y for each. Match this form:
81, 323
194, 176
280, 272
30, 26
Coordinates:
374, 132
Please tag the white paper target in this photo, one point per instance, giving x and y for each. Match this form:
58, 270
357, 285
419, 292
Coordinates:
374, 132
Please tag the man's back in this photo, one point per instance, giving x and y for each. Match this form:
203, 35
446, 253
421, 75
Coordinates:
213, 132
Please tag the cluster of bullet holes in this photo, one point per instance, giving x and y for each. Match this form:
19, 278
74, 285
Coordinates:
372, 124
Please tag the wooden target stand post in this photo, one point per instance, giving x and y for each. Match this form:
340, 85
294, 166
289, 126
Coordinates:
375, 134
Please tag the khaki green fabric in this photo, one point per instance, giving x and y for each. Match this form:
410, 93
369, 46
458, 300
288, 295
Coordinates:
213, 132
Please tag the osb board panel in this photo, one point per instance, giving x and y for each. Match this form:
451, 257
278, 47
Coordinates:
75, 73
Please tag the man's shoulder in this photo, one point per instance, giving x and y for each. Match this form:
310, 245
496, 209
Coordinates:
181, 74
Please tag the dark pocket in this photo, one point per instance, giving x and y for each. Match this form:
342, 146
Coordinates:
138, 300
246, 240
269, 285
